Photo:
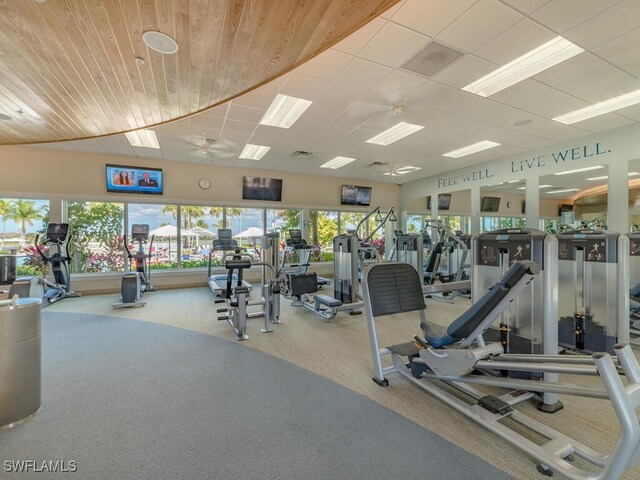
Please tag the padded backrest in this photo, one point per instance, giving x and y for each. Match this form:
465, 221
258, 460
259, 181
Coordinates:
635, 292
466, 323
394, 288
431, 259
225, 239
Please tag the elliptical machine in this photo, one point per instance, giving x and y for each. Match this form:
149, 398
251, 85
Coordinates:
136, 282
34, 287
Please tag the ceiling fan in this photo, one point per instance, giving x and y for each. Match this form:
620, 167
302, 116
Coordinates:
392, 170
218, 148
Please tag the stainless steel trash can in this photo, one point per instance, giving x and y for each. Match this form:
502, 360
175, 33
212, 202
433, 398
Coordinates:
20, 364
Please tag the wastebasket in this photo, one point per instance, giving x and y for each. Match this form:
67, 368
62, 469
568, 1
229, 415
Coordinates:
20, 352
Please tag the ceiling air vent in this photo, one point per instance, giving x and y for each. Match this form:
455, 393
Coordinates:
431, 59
303, 154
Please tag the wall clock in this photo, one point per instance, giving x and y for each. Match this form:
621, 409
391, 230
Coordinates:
204, 183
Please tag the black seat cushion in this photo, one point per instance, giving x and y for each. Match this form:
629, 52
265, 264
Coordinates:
327, 300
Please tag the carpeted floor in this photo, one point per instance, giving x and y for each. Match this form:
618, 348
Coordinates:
127, 399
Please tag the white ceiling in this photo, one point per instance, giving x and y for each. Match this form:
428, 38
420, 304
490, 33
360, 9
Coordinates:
355, 84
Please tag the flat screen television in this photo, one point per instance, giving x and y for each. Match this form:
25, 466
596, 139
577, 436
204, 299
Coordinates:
524, 207
261, 188
565, 208
490, 204
130, 179
355, 195
444, 201
428, 202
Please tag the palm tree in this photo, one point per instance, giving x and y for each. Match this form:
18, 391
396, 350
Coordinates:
24, 212
231, 212
5, 211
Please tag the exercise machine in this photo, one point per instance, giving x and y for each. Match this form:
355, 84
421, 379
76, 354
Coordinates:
593, 290
237, 293
223, 244
407, 248
448, 254
448, 360
295, 244
58, 237
528, 325
634, 293
136, 282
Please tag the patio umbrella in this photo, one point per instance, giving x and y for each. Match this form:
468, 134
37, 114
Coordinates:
171, 231
250, 233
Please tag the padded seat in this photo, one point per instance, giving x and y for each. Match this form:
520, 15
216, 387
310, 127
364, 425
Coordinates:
438, 336
635, 293
327, 301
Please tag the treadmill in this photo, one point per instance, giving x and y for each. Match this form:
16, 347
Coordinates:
224, 243
295, 243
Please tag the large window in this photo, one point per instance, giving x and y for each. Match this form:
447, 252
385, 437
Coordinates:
323, 227
349, 221
162, 221
96, 229
488, 224
22, 219
198, 228
282, 221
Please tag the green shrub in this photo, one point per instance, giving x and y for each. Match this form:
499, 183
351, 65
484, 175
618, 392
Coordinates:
27, 271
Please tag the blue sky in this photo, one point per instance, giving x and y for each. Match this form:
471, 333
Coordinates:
9, 226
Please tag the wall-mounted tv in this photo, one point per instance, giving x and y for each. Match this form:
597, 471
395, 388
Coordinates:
490, 204
260, 188
524, 207
564, 208
130, 179
428, 202
444, 201
355, 195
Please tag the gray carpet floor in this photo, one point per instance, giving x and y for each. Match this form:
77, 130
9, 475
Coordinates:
127, 399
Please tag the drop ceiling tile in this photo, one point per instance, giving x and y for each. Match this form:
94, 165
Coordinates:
520, 92
236, 126
431, 16
482, 22
119, 145
202, 120
443, 98
578, 67
326, 66
632, 112
559, 132
621, 47
596, 80
607, 25
142, 152
613, 89
527, 6
393, 45
362, 74
561, 15
492, 112
358, 39
263, 96
245, 114
551, 103
94, 146
466, 70
390, 12
605, 122
523, 37
316, 90
396, 86
631, 65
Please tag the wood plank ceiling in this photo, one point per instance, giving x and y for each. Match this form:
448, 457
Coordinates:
69, 68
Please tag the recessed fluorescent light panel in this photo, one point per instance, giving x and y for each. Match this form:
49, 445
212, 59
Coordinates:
531, 63
564, 191
403, 170
469, 149
395, 133
606, 106
284, 111
539, 186
604, 177
337, 162
578, 170
254, 152
143, 138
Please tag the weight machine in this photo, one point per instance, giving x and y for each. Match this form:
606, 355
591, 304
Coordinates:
457, 357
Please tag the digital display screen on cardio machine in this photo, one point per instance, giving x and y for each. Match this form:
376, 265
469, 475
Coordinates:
580, 236
502, 238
